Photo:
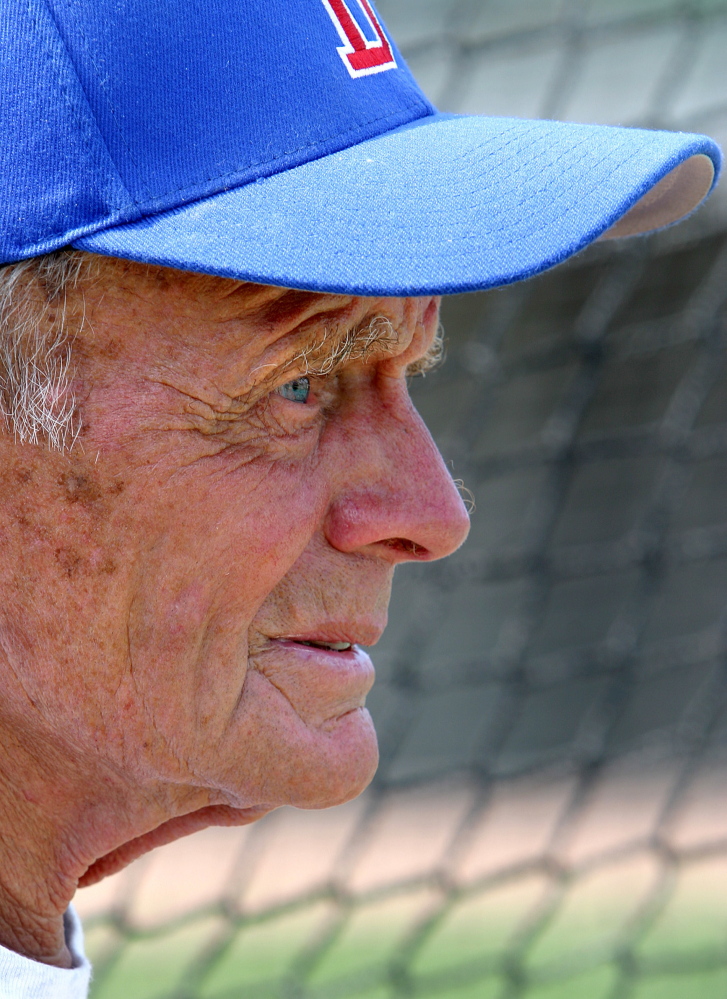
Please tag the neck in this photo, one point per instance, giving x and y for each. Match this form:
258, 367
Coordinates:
63, 825
34, 890
40, 938
56, 821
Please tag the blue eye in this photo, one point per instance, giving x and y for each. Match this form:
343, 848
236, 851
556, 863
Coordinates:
297, 391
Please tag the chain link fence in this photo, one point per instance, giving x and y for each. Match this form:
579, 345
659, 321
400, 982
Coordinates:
550, 816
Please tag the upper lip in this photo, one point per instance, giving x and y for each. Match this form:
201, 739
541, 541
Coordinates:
315, 644
358, 634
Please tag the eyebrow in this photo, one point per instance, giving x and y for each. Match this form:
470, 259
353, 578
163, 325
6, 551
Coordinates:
375, 336
335, 348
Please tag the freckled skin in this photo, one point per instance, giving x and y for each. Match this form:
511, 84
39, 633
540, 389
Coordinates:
153, 580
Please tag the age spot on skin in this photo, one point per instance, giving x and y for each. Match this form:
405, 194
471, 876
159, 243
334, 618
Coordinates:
68, 560
80, 488
112, 349
28, 526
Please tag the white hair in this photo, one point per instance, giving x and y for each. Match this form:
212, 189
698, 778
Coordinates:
37, 403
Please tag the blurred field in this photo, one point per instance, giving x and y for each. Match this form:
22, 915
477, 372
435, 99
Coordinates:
455, 891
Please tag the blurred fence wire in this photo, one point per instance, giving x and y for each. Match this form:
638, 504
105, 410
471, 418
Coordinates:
550, 816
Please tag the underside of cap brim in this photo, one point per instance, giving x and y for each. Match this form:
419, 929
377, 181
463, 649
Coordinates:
674, 197
443, 205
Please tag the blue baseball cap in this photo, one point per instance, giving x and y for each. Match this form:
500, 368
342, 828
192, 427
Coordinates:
287, 143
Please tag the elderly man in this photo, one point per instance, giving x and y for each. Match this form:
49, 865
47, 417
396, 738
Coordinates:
208, 477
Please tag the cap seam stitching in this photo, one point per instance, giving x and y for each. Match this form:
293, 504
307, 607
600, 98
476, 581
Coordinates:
569, 210
81, 123
287, 152
110, 107
140, 206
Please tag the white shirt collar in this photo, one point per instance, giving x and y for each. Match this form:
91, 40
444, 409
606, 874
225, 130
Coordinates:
23, 978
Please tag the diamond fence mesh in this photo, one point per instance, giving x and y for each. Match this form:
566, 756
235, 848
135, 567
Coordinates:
550, 816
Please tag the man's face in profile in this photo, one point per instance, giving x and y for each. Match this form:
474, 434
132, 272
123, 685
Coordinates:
202, 568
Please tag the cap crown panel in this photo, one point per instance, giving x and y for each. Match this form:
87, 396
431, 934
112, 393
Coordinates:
194, 96
58, 178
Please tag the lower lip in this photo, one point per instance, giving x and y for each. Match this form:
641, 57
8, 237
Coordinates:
354, 663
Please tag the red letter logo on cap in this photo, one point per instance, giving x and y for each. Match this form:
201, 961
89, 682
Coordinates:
360, 56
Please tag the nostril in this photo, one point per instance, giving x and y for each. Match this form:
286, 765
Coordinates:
407, 547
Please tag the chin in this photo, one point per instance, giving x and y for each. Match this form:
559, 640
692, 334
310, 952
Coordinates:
344, 766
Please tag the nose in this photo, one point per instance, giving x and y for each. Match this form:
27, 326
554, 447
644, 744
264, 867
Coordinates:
395, 496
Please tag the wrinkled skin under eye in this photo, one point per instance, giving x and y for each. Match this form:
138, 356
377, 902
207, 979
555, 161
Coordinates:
296, 391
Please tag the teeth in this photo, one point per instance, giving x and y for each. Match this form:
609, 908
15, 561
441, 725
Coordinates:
334, 646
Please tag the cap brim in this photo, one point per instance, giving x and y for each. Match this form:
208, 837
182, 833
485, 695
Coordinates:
447, 204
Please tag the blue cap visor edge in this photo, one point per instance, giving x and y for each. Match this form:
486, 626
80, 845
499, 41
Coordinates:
442, 205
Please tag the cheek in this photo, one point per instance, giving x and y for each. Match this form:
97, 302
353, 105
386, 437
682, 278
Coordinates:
220, 550
238, 532
261, 525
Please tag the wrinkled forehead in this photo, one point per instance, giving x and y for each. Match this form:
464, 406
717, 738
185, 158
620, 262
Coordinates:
218, 314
